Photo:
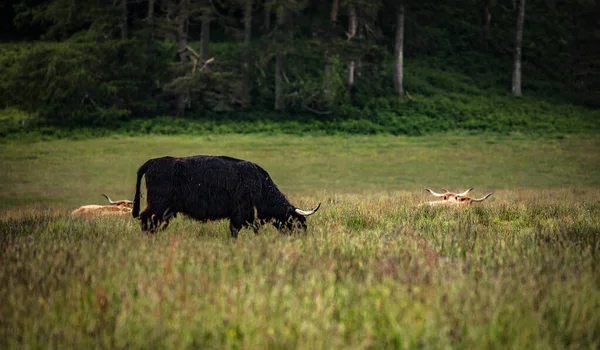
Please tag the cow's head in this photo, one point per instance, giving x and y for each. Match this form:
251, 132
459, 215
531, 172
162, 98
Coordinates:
469, 200
451, 198
296, 218
119, 203
447, 195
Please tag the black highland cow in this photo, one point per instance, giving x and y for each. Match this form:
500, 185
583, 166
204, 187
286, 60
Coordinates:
211, 188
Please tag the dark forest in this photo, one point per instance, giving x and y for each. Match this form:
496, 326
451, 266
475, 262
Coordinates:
404, 67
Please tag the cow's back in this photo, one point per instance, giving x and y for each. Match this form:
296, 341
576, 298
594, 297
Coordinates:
159, 176
213, 187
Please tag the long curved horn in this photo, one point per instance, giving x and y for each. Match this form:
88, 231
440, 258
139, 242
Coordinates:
434, 193
307, 213
108, 198
117, 203
483, 198
465, 192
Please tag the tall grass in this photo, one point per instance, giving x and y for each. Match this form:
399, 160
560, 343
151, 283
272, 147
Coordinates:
378, 270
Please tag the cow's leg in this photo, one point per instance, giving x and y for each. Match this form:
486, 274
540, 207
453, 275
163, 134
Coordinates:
145, 218
165, 222
168, 214
237, 220
156, 221
160, 221
235, 229
161, 211
256, 226
235, 225
255, 221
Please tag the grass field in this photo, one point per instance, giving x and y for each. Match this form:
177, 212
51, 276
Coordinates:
374, 268
67, 173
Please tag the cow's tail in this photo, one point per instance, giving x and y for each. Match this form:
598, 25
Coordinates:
138, 183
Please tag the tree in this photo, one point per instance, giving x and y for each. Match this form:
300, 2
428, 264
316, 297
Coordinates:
267, 12
516, 79
181, 20
329, 42
585, 61
205, 34
399, 51
150, 10
247, 37
486, 20
352, 28
123, 21
279, 60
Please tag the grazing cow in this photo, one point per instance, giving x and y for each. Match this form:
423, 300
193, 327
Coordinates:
210, 188
447, 195
121, 202
453, 199
116, 208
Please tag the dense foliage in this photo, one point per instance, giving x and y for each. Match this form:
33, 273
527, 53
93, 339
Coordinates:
119, 64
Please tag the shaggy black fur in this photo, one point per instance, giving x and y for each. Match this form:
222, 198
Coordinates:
211, 188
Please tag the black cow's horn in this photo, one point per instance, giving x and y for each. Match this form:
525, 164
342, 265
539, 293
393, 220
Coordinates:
309, 212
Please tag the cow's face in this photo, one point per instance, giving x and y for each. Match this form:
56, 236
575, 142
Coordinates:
451, 198
295, 218
296, 221
292, 221
119, 203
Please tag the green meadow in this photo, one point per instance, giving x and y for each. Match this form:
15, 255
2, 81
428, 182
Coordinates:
69, 173
375, 269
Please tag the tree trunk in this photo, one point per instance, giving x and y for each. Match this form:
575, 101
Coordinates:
352, 25
123, 21
279, 62
350, 73
516, 79
247, 38
150, 10
278, 80
328, 73
267, 13
486, 19
399, 52
335, 7
182, 37
205, 35
182, 41
360, 34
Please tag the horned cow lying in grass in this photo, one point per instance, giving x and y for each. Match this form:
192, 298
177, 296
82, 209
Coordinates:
453, 199
120, 207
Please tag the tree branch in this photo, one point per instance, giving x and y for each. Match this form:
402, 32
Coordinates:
315, 111
193, 52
